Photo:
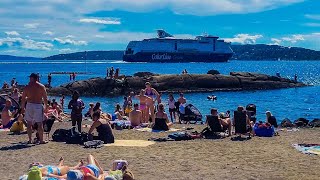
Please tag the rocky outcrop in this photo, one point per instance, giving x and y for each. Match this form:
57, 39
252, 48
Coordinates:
176, 83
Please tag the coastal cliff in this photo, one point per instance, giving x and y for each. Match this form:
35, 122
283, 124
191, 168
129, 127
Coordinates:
236, 81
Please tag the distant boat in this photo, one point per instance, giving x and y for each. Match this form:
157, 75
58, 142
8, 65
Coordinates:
166, 48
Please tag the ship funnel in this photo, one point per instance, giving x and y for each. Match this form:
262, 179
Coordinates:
163, 34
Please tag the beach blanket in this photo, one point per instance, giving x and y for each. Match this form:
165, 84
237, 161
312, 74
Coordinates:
308, 148
131, 143
147, 129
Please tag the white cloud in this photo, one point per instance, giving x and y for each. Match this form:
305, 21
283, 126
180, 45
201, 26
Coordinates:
12, 33
312, 24
294, 38
244, 38
66, 50
275, 41
100, 21
70, 41
31, 25
26, 43
70, 36
49, 33
313, 16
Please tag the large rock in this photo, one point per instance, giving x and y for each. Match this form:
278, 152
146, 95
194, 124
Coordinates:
175, 83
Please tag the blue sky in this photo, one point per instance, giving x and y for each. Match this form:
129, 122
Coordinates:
45, 27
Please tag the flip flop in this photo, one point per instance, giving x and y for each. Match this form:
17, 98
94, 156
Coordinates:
44, 142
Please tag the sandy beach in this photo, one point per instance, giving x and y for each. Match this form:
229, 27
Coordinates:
257, 158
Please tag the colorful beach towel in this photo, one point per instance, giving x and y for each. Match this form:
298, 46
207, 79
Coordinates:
131, 143
147, 129
308, 148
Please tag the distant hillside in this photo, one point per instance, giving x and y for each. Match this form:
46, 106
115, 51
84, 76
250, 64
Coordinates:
8, 57
92, 55
273, 52
241, 52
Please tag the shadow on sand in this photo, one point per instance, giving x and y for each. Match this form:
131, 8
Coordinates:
16, 146
239, 138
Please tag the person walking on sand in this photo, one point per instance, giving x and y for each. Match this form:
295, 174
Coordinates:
145, 102
76, 105
31, 103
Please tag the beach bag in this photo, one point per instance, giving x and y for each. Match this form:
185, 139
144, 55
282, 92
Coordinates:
17, 127
180, 136
263, 130
60, 135
93, 144
76, 138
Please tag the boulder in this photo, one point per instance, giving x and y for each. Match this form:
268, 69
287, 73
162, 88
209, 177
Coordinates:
301, 122
286, 123
144, 74
213, 72
314, 123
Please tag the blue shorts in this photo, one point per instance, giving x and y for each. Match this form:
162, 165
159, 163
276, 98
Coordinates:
95, 169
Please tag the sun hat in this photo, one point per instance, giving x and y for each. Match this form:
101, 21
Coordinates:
75, 175
34, 173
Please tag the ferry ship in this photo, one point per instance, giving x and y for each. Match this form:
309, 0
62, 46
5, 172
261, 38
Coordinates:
166, 48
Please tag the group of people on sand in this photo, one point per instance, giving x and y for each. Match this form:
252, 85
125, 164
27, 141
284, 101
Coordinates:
227, 122
91, 170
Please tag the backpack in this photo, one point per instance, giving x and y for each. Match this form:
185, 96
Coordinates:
74, 137
60, 135
180, 136
93, 144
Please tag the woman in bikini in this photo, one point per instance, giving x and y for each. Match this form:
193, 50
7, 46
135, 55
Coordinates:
154, 95
58, 172
91, 171
144, 102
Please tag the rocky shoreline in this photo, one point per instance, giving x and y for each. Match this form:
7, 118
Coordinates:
236, 81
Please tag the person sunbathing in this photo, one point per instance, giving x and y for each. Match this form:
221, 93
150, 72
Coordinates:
103, 128
91, 171
118, 113
161, 119
90, 110
135, 116
7, 116
58, 172
225, 122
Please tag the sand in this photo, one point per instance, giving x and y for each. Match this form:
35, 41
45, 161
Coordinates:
257, 158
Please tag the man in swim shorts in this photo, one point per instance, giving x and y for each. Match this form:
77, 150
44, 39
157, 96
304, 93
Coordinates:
33, 94
135, 115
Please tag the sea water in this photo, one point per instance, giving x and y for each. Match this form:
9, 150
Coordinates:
283, 103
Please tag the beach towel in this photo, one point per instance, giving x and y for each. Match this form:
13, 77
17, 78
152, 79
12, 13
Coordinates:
4, 130
308, 148
131, 143
147, 129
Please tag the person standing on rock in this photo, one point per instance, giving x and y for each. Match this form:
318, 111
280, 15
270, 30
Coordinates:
154, 95
31, 103
49, 79
111, 72
76, 105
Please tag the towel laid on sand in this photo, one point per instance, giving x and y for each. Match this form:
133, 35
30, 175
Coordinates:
308, 148
131, 143
4, 130
146, 129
